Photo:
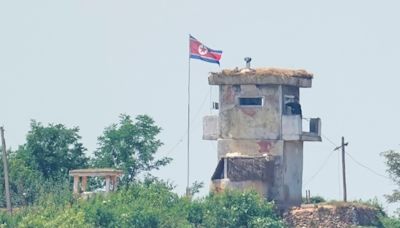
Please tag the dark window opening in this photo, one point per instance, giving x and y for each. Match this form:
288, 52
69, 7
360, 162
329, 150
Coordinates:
250, 101
215, 105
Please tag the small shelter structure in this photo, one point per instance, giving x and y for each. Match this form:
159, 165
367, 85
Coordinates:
111, 176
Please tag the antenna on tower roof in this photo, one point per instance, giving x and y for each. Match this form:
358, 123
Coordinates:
247, 60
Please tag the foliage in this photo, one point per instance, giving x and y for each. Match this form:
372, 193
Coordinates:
238, 209
150, 203
389, 222
24, 182
27, 186
42, 162
130, 146
54, 209
140, 205
52, 150
392, 160
195, 188
314, 199
43, 191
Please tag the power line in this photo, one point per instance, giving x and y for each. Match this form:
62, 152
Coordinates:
325, 161
366, 167
357, 162
324, 136
320, 168
194, 118
351, 157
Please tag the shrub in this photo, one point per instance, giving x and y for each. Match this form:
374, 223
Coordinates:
146, 204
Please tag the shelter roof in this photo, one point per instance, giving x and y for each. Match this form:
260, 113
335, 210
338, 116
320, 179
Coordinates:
96, 172
262, 76
265, 71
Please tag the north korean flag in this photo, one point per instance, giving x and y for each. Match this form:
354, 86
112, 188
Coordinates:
202, 52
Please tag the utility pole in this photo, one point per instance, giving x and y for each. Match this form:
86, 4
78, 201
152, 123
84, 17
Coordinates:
343, 168
5, 166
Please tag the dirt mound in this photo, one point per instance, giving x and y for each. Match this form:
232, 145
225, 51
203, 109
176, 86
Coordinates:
332, 215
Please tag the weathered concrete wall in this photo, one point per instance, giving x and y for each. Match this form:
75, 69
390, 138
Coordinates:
210, 127
290, 90
291, 127
240, 122
233, 147
292, 171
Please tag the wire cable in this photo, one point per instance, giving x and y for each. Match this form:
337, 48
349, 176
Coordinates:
325, 137
366, 167
172, 149
320, 168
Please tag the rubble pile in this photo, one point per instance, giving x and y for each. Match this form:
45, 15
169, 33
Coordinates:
332, 215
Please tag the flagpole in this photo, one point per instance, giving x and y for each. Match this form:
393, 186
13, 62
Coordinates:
188, 131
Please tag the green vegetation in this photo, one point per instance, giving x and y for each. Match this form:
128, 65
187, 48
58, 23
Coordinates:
42, 162
314, 199
150, 203
52, 150
392, 160
42, 195
49, 152
130, 146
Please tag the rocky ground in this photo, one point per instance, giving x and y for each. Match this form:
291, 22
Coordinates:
332, 215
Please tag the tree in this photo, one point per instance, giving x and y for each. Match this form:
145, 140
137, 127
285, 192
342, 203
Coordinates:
130, 146
392, 160
52, 150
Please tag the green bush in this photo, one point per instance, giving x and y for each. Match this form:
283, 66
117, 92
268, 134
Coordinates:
146, 204
390, 222
314, 199
238, 209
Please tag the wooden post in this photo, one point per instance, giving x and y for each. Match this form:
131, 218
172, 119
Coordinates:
308, 200
343, 167
344, 171
5, 167
84, 183
76, 184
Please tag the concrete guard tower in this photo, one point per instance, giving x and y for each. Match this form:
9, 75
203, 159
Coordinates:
259, 132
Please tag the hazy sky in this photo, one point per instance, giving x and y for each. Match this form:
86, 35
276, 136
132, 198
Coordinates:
82, 63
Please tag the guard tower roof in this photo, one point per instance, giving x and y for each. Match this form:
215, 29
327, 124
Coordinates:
262, 76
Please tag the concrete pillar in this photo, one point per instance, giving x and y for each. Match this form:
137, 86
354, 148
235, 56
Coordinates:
115, 183
112, 183
76, 184
84, 183
107, 183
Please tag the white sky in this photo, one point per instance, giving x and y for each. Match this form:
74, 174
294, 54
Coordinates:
82, 63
